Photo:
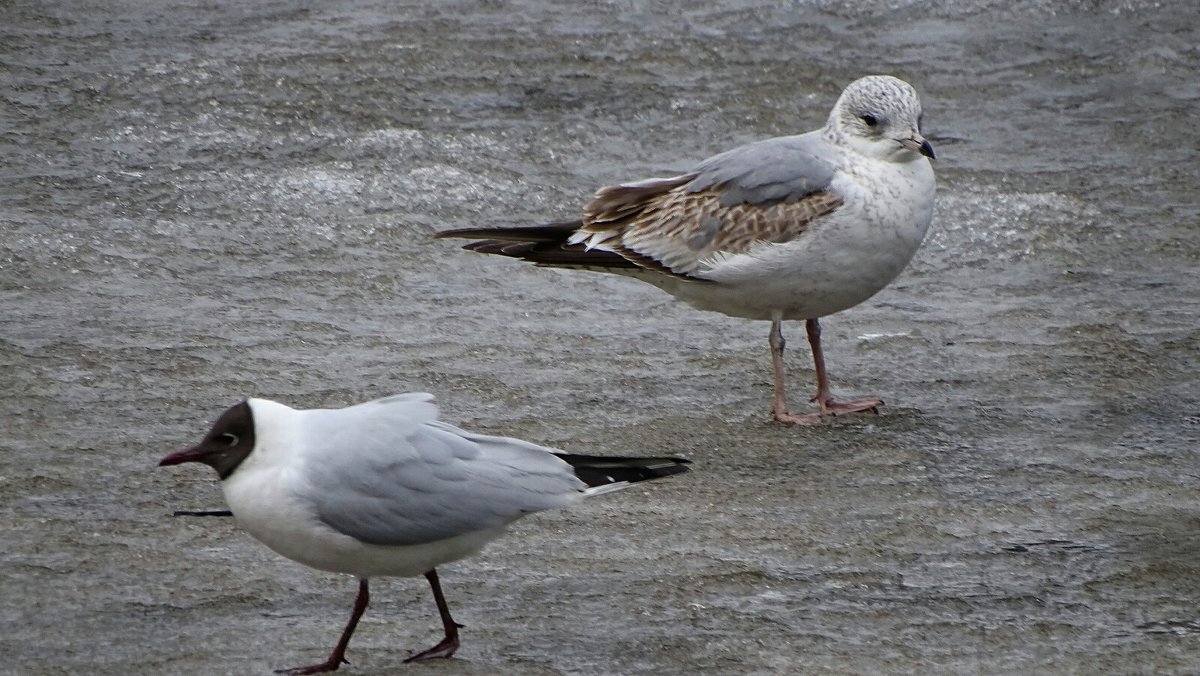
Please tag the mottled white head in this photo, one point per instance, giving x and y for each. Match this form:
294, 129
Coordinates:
880, 117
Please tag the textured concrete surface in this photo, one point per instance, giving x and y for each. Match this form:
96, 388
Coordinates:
205, 201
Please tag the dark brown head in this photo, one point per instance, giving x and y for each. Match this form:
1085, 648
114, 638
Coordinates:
225, 446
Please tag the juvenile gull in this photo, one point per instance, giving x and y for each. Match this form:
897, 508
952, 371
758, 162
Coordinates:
795, 227
385, 489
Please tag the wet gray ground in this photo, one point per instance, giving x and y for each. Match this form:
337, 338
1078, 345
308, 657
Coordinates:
204, 201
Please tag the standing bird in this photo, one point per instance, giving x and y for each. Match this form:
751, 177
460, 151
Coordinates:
795, 227
385, 489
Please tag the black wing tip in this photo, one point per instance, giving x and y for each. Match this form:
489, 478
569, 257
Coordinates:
202, 512
499, 247
546, 232
463, 233
519, 242
549, 245
676, 466
600, 470
552, 253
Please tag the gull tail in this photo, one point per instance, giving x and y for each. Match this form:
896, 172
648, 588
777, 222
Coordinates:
604, 474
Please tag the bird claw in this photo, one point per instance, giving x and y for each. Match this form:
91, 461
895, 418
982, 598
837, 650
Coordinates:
830, 408
444, 649
807, 419
321, 668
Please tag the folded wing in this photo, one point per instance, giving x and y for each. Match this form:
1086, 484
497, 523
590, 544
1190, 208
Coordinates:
392, 475
761, 193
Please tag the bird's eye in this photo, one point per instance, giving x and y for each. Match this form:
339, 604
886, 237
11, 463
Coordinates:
231, 439
869, 119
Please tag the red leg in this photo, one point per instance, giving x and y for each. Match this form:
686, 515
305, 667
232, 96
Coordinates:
339, 652
448, 645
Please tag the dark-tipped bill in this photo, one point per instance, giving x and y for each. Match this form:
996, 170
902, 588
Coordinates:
193, 454
917, 143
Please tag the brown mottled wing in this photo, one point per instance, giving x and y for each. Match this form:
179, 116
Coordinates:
765, 192
616, 203
682, 230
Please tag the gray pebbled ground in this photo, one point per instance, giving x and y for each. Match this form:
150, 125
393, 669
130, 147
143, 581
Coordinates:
204, 201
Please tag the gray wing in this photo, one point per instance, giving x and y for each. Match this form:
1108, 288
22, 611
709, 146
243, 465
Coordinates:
389, 474
769, 191
767, 172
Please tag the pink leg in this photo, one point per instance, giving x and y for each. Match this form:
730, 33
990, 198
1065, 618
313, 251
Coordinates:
779, 410
449, 644
339, 652
829, 406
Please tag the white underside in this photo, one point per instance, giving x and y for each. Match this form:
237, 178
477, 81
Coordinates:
275, 517
263, 496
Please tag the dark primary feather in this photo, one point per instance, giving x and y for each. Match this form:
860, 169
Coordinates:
599, 470
549, 232
541, 244
202, 512
550, 252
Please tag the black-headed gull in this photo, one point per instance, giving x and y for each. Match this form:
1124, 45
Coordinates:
385, 489
795, 227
